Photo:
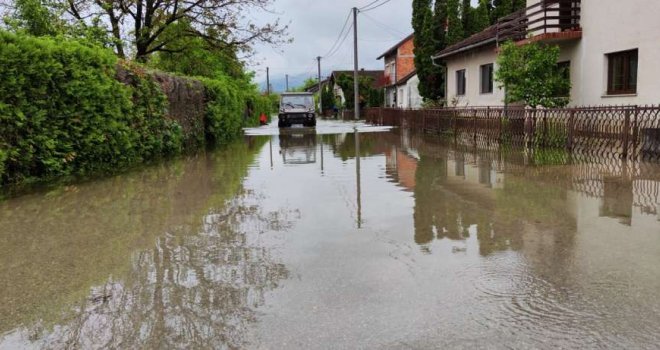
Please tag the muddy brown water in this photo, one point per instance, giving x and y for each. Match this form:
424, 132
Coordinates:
290, 241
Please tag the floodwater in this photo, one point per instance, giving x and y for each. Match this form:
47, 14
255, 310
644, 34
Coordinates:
292, 242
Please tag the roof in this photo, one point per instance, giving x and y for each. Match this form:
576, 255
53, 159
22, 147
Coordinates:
376, 75
483, 38
315, 88
395, 47
404, 79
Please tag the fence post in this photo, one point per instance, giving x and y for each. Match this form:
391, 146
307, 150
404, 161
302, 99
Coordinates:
626, 132
454, 124
474, 124
499, 125
571, 127
545, 128
635, 129
424, 122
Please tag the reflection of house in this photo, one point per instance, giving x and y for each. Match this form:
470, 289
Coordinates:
374, 75
400, 75
610, 48
402, 166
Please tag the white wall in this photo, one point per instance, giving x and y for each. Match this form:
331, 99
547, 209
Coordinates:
472, 62
607, 26
414, 100
615, 25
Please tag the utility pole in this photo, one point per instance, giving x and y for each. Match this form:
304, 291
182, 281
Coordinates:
318, 59
287, 83
356, 95
267, 80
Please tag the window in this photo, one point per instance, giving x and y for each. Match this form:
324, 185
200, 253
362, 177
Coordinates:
486, 78
565, 69
460, 82
622, 72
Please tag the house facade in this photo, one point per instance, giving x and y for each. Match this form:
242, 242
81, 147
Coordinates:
374, 75
611, 49
400, 77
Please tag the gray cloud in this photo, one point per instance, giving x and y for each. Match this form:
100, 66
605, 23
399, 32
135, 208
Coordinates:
315, 26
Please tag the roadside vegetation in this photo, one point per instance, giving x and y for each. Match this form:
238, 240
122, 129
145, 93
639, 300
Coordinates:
64, 109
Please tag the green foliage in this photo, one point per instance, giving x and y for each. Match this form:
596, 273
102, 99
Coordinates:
329, 101
62, 111
232, 104
455, 31
367, 94
195, 57
429, 38
529, 74
501, 8
481, 18
34, 18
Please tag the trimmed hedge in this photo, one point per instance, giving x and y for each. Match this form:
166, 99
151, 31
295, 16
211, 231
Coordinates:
63, 111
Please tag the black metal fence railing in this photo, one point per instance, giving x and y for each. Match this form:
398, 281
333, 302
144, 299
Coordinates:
622, 130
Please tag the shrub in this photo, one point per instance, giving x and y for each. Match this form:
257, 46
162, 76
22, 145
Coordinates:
62, 111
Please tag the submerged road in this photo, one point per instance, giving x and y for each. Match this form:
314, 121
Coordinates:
344, 236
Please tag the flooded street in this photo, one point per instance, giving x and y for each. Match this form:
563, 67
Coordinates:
333, 239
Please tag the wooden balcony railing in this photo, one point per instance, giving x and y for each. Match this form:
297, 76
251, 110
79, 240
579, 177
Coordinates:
547, 16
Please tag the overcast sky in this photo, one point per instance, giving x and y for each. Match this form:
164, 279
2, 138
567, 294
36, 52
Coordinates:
315, 25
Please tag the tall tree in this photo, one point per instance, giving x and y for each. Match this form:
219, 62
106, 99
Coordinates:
501, 8
481, 17
140, 25
466, 17
455, 31
421, 18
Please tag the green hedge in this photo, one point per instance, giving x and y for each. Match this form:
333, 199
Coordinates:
63, 111
232, 104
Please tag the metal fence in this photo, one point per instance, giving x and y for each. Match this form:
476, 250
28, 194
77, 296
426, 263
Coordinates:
620, 130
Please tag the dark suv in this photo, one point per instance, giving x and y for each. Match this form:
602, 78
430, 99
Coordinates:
296, 108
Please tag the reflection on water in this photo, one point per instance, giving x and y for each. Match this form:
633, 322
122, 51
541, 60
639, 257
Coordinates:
323, 239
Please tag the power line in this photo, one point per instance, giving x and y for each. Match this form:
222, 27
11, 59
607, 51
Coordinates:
374, 7
369, 4
348, 17
340, 45
394, 32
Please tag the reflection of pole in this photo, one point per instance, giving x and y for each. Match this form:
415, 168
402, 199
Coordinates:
270, 144
356, 85
321, 137
357, 178
318, 59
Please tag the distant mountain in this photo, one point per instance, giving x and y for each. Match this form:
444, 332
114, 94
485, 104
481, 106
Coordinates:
278, 83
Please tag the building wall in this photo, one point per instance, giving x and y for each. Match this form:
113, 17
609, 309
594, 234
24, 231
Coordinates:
390, 69
405, 60
471, 62
414, 98
638, 28
612, 26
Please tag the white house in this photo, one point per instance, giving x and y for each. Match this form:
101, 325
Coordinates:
610, 47
400, 77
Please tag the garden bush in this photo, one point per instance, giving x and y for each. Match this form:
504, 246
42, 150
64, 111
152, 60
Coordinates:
63, 110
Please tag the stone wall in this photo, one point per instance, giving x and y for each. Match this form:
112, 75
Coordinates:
186, 101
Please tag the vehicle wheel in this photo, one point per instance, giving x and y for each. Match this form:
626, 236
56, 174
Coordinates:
312, 123
280, 124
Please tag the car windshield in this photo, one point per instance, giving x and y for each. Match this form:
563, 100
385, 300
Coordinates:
305, 101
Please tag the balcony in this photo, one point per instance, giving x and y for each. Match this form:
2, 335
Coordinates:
548, 20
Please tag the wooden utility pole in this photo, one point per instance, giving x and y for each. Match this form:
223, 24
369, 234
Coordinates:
356, 85
267, 80
318, 60
287, 83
